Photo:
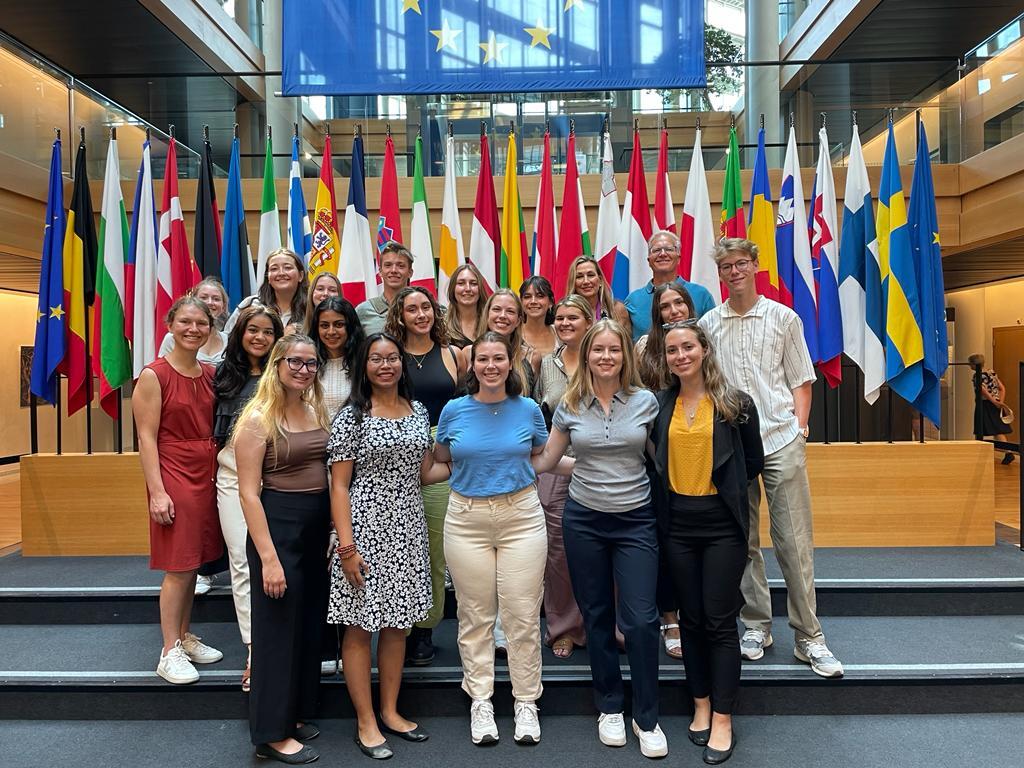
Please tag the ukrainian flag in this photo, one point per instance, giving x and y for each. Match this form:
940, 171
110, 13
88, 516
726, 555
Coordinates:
904, 348
761, 225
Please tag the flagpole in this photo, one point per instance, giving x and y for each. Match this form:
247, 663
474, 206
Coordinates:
917, 146
825, 389
33, 424
56, 377
88, 362
118, 424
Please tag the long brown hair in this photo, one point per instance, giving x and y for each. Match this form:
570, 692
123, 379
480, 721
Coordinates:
394, 324
452, 311
651, 364
723, 395
581, 385
268, 298
519, 347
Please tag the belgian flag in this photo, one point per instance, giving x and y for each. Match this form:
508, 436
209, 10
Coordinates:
80, 249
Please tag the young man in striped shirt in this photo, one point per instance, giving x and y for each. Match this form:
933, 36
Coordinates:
760, 345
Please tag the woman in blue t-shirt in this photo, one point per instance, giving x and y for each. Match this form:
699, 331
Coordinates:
495, 540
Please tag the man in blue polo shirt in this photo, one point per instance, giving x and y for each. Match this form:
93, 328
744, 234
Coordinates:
663, 257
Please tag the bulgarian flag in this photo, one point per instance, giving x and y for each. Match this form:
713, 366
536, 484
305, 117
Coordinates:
485, 237
79, 285
733, 223
573, 235
325, 246
176, 273
514, 253
421, 245
270, 219
451, 254
697, 233
608, 214
389, 223
111, 356
664, 215
545, 234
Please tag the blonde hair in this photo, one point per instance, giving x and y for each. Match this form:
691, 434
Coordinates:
266, 408
725, 397
581, 385
605, 299
519, 347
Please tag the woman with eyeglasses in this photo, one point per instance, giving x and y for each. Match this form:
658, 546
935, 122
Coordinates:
538, 300
434, 369
707, 449
381, 569
466, 300
587, 279
280, 446
284, 289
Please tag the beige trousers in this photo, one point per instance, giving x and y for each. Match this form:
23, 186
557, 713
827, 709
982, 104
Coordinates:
789, 511
496, 548
232, 525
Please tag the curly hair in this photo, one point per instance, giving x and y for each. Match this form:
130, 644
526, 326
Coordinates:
395, 324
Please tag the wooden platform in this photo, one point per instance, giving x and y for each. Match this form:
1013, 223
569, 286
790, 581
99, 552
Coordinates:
870, 495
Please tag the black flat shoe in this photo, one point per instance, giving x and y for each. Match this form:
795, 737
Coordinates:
718, 756
379, 752
419, 648
302, 757
700, 738
416, 734
306, 732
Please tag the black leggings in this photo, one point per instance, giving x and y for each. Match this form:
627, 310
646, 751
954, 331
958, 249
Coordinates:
706, 570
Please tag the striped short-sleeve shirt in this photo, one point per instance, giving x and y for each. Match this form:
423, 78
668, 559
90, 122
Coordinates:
763, 352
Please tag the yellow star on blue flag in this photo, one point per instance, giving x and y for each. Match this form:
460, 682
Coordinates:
445, 36
411, 5
492, 49
539, 34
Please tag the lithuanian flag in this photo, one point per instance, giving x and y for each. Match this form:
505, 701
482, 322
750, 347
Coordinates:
514, 254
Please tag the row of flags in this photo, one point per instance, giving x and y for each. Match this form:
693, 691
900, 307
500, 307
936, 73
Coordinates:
872, 291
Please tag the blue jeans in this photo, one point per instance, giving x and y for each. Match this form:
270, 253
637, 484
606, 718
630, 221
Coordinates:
607, 551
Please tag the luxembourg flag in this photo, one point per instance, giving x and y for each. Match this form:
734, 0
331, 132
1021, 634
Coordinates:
796, 275
825, 257
860, 280
697, 232
664, 214
300, 236
357, 269
609, 218
631, 268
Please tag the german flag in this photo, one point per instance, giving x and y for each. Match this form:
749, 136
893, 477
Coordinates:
80, 249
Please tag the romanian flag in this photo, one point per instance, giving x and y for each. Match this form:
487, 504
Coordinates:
573, 237
733, 223
451, 253
79, 241
236, 268
664, 215
325, 246
485, 237
515, 256
904, 347
545, 233
207, 243
761, 223
112, 360
51, 322
358, 267
631, 268
421, 244
176, 272
389, 223
609, 218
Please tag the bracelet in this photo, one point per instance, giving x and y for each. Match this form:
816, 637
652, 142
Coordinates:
346, 551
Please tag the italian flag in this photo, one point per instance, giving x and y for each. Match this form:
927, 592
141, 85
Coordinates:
111, 361
270, 219
421, 245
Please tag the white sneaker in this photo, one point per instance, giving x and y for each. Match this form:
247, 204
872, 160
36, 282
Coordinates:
652, 743
482, 728
203, 584
175, 667
328, 668
199, 653
753, 643
821, 659
611, 729
527, 723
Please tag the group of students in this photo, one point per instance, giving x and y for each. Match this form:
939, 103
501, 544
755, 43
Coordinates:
595, 457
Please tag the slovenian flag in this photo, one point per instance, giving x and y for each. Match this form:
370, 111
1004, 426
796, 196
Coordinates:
825, 257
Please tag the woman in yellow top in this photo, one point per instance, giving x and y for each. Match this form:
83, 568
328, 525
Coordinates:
707, 447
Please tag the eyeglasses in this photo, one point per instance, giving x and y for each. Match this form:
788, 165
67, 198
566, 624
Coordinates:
379, 360
664, 249
297, 364
691, 323
742, 265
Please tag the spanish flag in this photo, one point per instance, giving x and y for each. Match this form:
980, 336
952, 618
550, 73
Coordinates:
326, 245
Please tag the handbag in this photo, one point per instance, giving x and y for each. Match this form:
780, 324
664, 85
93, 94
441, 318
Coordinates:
1005, 414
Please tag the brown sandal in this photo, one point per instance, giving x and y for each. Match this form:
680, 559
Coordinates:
247, 674
563, 647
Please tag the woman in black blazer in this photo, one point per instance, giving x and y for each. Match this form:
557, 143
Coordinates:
707, 448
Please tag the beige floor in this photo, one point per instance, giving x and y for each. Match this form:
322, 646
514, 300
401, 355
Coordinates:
10, 506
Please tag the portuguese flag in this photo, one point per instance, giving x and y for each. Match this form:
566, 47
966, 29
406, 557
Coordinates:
733, 222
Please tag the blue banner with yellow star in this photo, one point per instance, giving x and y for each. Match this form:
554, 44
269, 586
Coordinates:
463, 46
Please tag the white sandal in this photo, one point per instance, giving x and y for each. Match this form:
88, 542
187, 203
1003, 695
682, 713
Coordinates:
673, 645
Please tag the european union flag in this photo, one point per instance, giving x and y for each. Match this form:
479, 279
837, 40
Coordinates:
51, 325
490, 46
924, 241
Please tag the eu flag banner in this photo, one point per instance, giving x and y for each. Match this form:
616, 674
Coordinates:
492, 46
51, 325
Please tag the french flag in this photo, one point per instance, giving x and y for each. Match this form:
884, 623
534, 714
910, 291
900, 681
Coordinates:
825, 257
796, 276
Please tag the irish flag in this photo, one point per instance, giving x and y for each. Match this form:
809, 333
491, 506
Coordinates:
421, 245
111, 361
514, 253
451, 254
485, 237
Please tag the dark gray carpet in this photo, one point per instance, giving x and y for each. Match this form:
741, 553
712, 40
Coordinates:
921, 741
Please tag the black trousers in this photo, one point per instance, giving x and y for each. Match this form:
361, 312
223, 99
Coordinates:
286, 632
706, 566
603, 551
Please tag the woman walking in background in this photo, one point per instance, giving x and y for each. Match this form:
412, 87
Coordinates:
988, 421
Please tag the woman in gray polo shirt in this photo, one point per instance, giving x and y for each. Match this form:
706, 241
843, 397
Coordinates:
610, 528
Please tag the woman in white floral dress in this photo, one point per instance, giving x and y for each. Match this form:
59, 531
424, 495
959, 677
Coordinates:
381, 569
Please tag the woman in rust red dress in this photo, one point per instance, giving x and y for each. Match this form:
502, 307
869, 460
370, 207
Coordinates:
173, 408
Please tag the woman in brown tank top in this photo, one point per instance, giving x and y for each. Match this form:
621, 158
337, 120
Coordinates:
280, 447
